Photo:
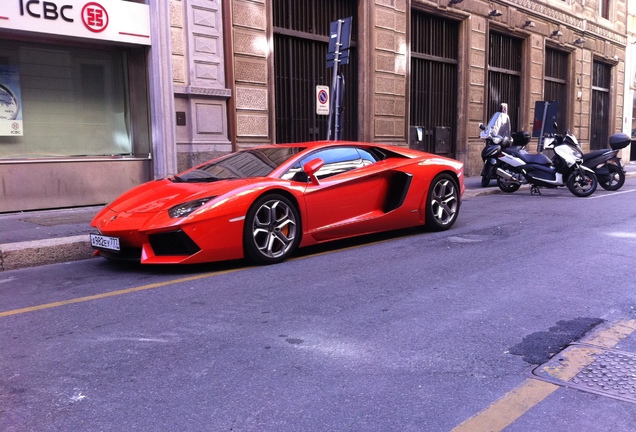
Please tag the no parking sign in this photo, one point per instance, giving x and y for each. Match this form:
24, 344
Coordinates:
322, 100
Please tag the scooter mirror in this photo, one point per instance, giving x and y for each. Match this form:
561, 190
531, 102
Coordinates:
482, 126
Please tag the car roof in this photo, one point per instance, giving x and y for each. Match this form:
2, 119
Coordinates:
309, 145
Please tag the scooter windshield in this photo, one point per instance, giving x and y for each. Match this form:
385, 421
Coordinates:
499, 125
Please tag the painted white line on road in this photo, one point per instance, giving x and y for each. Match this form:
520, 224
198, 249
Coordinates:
611, 194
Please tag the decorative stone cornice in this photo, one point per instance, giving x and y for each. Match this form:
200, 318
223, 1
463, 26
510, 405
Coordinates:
550, 12
212, 93
570, 20
606, 33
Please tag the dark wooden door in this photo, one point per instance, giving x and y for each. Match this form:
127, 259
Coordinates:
555, 85
504, 76
599, 112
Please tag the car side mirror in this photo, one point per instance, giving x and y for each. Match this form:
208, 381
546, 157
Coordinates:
312, 167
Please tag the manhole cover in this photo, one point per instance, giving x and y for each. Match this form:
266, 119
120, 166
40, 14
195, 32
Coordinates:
593, 369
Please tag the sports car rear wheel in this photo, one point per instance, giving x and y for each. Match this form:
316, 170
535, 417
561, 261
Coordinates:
272, 230
442, 203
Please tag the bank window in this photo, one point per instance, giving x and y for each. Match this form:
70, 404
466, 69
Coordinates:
72, 102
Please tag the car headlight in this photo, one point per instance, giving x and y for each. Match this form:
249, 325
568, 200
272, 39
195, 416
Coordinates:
186, 208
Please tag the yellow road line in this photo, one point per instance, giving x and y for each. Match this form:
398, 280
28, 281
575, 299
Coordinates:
170, 282
520, 400
509, 408
113, 293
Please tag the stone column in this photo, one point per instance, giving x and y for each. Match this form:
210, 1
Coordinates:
199, 81
252, 68
388, 37
477, 75
161, 91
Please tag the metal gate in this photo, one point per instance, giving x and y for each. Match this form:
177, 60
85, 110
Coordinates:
301, 40
599, 114
434, 58
504, 76
555, 86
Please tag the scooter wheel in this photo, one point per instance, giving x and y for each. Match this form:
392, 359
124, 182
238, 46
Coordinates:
615, 179
582, 184
507, 187
485, 180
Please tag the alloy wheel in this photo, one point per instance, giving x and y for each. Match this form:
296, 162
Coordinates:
443, 203
274, 228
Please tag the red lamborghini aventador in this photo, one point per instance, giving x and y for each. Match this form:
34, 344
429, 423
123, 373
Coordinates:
265, 202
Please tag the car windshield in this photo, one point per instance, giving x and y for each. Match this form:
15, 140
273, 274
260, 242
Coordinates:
336, 160
257, 162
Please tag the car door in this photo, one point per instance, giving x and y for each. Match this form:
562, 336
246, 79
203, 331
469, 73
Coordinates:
350, 192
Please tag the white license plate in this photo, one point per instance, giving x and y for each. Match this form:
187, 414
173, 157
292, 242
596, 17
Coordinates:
105, 242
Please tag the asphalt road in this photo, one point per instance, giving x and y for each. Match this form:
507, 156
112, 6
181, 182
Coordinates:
412, 331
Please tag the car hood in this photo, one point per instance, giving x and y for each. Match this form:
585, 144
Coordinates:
159, 195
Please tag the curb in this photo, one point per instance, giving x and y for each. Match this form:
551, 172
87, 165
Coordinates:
472, 193
14, 256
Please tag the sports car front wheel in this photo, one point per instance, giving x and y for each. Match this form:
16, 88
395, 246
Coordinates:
442, 203
272, 230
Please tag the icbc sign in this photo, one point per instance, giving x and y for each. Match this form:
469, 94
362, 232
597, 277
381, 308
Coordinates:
46, 9
95, 17
106, 20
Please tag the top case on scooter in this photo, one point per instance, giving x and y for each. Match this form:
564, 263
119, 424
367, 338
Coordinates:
619, 141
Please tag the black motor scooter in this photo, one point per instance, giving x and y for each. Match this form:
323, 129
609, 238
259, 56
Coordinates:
566, 167
496, 136
607, 165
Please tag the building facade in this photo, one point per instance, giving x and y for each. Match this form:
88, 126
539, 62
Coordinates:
188, 80
428, 72
629, 124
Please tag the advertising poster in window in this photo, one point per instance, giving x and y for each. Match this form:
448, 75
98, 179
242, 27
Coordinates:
10, 102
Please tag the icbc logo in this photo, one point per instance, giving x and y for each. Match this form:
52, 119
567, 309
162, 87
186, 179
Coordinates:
95, 17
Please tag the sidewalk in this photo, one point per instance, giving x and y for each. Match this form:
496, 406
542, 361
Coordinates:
35, 238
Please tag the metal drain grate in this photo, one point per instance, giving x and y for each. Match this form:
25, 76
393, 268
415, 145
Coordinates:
593, 369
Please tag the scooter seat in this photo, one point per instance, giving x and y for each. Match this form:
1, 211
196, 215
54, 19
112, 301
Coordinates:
592, 155
530, 158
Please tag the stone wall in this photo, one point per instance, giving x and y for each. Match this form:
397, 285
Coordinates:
252, 72
572, 27
201, 94
389, 81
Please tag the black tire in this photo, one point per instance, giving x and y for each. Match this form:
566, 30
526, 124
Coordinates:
272, 230
615, 179
582, 183
488, 173
442, 203
507, 187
